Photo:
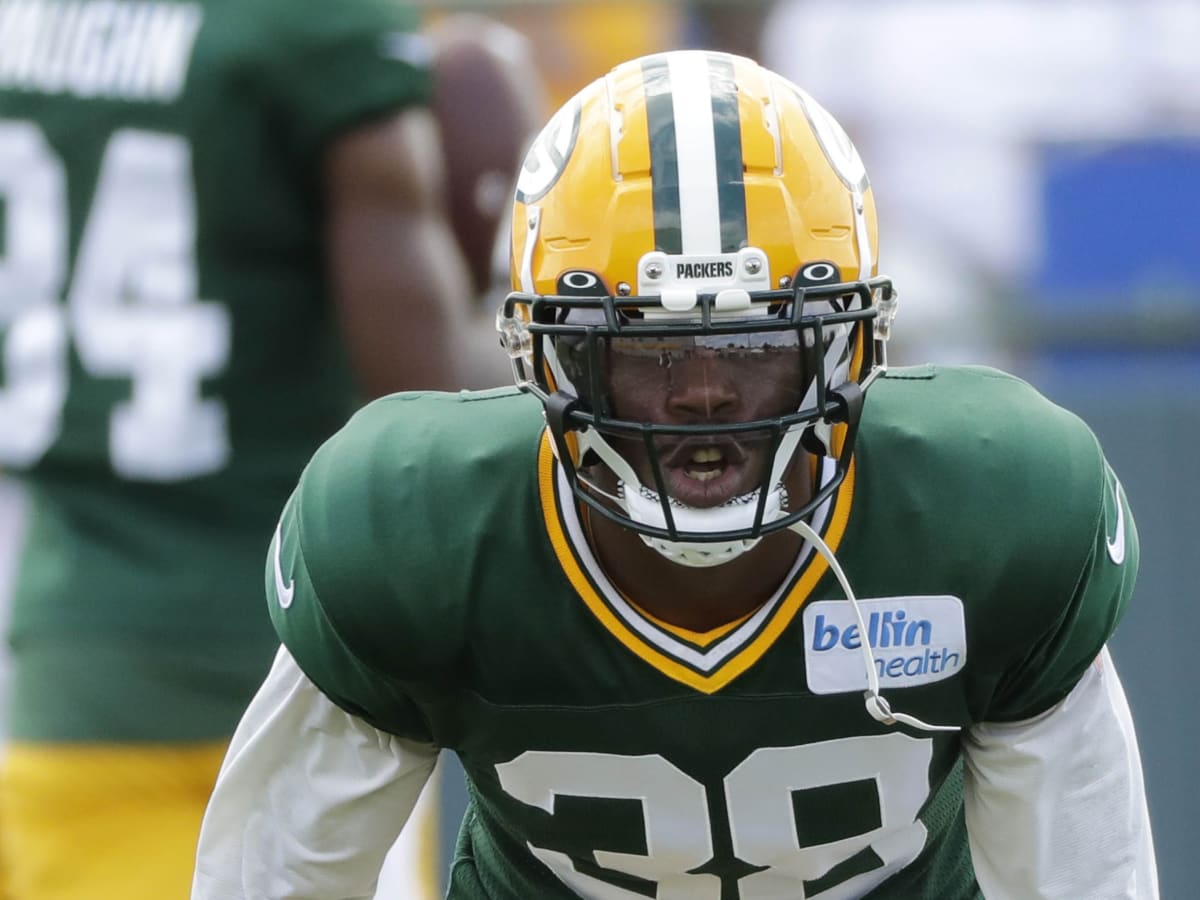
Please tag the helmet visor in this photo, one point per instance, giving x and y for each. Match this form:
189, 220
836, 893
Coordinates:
687, 379
696, 416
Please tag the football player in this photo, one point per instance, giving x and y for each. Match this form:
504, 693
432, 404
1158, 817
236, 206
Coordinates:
204, 208
714, 606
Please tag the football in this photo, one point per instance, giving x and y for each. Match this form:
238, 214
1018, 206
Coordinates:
489, 102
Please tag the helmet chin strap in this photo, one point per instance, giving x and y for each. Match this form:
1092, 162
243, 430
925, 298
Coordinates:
877, 707
644, 506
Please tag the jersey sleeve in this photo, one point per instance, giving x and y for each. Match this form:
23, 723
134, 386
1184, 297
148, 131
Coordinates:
326, 582
1080, 622
333, 66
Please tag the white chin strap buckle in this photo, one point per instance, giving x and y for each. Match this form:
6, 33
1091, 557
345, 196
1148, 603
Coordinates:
879, 709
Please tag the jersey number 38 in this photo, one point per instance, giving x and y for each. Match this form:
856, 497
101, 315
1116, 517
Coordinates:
881, 781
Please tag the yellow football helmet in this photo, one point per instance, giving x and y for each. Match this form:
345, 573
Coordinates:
694, 204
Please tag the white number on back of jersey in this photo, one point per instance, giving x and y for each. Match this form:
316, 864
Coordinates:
131, 310
32, 271
760, 800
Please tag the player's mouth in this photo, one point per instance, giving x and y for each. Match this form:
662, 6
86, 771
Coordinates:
707, 472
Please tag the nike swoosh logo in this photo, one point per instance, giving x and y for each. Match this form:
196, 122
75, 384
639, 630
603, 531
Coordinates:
1116, 546
285, 592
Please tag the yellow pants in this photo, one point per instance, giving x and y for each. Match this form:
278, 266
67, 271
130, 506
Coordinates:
117, 822
99, 822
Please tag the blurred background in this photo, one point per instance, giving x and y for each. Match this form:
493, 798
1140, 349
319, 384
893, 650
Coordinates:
1036, 166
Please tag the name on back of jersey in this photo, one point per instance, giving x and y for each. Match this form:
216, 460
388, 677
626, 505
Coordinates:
98, 49
912, 640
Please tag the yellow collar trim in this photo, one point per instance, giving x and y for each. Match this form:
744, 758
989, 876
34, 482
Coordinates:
699, 638
738, 661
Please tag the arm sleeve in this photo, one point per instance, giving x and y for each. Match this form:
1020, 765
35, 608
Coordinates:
308, 800
1055, 805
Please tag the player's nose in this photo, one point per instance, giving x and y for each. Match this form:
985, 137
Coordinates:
702, 389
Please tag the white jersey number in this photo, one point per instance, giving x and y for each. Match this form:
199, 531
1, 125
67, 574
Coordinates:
130, 310
763, 797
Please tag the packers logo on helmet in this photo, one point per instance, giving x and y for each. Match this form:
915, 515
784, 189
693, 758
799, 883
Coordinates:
548, 155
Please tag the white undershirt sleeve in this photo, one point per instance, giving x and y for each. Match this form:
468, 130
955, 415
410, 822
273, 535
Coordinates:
1056, 806
309, 799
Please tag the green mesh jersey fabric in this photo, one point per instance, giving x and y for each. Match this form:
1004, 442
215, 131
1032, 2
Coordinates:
429, 576
169, 358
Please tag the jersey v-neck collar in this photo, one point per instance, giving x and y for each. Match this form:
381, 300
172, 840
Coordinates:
704, 661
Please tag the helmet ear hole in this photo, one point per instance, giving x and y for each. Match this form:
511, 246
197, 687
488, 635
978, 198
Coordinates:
811, 444
848, 398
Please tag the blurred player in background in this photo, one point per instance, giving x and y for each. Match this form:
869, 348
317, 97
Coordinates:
574, 42
732, 27
489, 101
12, 524
221, 224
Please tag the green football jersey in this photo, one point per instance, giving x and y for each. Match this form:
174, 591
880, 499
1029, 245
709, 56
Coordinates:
169, 359
431, 576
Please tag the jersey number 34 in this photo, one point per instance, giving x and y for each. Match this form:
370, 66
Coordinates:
128, 306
